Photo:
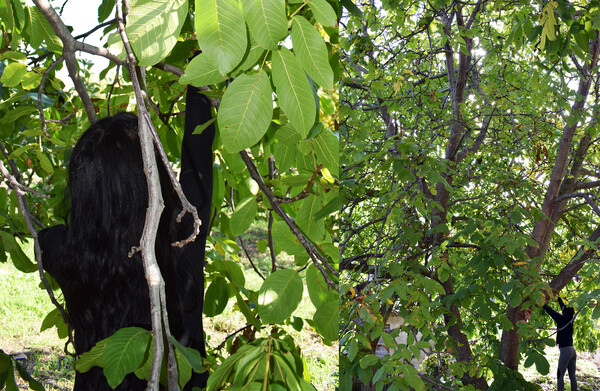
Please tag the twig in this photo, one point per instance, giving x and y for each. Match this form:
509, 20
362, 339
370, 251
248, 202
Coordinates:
107, 23
69, 49
231, 335
187, 207
102, 52
319, 260
250, 258
304, 193
14, 184
64, 121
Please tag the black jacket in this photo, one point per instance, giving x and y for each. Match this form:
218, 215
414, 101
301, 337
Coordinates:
564, 337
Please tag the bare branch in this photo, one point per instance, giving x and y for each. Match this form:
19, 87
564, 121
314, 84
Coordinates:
102, 52
589, 197
587, 185
148, 240
69, 54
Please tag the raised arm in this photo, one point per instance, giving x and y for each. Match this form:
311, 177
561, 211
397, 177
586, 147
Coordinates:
196, 156
555, 315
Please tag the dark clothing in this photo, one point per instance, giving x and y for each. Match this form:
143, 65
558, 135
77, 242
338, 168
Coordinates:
567, 361
564, 337
108, 295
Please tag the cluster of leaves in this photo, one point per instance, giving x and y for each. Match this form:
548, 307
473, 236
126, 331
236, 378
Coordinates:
275, 82
437, 222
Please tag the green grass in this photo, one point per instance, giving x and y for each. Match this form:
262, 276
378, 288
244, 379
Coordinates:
24, 305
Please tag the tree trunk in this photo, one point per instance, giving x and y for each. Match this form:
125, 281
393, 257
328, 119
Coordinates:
544, 228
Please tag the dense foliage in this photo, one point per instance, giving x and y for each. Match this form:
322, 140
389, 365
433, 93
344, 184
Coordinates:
469, 171
270, 67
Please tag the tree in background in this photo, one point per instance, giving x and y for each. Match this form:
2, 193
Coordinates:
469, 174
270, 69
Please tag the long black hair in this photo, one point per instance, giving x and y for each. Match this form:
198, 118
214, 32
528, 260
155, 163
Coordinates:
108, 196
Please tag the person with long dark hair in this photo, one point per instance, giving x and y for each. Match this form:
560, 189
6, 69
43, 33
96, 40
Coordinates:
104, 288
564, 339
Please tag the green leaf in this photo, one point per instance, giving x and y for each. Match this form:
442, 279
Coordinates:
92, 358
368, 361
243, 216
219, 377
279, 296
412, 377
326, 320
6, 15
124, 353
352, 349
200, 72
318, 290
245, 310
313, 227
267, 21
18, 257
218, 188
52, 319
221, 32
310, 49
42, 31
326, 146
44, 161
253, 55
153, 27
245, 111
284, 156
200, 128
232, 270
323, 12
286, 240
288, 136
295, 95
15, 113
33, 384
216, 297
31, 80
105, 10
541, 364
13, 74
189, 356
250, 361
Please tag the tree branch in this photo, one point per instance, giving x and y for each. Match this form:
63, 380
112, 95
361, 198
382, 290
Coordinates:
69, 48
319, 260
148, 240
587, 185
